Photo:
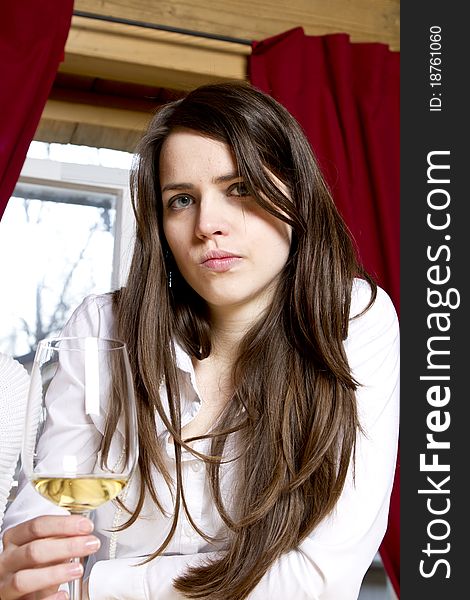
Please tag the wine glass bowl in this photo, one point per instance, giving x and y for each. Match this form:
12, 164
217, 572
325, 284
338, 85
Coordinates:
80, 442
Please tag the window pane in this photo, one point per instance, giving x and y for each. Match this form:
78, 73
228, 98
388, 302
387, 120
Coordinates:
56, 246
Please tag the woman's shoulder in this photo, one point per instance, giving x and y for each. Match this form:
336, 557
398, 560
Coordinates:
373, 351
376, 318
94, 304
93, 316
361, 296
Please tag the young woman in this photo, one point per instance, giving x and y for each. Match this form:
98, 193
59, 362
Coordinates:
266, 368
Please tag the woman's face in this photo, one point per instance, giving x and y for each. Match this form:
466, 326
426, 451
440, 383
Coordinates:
228, 249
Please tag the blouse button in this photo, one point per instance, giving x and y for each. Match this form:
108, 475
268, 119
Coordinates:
196, 466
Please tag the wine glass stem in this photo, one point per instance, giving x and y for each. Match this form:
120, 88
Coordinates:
76, 586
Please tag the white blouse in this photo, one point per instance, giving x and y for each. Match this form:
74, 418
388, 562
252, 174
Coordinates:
330, 563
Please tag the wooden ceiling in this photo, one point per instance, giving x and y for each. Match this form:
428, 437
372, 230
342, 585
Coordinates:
114, 75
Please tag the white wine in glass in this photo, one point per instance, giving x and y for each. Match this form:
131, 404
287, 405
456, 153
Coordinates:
80, 442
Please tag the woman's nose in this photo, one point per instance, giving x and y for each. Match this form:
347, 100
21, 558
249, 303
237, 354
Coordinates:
212, 218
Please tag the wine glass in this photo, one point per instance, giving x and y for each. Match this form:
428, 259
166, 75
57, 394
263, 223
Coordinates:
80, 442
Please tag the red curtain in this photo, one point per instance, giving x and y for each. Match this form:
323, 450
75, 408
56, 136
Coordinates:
346, 97
32, 41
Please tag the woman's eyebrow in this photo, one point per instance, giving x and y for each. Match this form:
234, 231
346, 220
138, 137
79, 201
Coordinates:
228, 177
177, 186
190, 186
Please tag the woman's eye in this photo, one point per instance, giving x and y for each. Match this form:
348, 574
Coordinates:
180, 202
239, 189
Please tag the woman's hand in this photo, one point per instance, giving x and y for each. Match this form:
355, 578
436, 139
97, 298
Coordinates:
36, 556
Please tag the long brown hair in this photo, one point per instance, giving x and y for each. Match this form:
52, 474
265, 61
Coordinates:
293, 408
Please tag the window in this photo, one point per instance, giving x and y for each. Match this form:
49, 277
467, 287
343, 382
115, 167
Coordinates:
66, 233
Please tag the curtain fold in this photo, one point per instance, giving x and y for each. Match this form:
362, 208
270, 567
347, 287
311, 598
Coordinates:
346, 97
32, 41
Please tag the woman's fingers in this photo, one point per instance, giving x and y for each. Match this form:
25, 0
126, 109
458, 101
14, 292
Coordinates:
25, 582
47, 526
36, 556
49, 551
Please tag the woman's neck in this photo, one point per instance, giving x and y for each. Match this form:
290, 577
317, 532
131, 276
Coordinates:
227, 330
214, 374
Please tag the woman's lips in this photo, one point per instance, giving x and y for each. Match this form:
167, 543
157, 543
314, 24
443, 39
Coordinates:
221, 264
220, 261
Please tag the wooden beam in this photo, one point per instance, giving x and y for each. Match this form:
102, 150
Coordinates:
150, 57
67, 122
74, 112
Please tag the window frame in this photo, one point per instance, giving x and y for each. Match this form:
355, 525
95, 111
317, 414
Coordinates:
93, 178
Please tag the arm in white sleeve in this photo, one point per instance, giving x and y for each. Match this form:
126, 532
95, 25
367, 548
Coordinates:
331, 562
121, 579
